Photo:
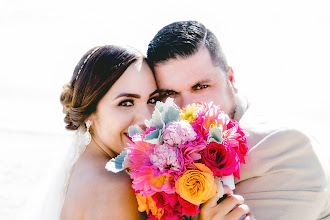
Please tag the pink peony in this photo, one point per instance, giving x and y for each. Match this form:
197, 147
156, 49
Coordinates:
178, 132
167, 159
221, 159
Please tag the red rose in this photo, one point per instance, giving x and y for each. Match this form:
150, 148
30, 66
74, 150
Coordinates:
174, 206
169, 202
221, 159
164, 200
188, 208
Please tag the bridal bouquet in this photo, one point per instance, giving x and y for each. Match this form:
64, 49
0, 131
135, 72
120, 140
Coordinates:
182, 159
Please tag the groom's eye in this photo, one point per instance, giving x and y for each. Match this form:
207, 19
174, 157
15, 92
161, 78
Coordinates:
200, 87
168, 93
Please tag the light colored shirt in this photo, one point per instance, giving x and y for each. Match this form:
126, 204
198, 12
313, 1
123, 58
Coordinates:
286, 175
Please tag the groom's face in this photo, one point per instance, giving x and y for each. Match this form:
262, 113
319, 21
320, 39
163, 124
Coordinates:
196, 79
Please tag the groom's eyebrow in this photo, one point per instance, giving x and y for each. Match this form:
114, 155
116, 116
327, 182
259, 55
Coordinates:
167, 90
130, 95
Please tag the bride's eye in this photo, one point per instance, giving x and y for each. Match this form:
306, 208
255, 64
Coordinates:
153, 100
126, 103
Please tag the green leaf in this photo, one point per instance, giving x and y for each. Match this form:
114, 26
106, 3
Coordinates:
156, 120
134, 129
172, 114
215, 135
153, 137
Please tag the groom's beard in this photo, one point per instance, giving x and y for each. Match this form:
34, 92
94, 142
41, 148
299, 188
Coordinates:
233, 112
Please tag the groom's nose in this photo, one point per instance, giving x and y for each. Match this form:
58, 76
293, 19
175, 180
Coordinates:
187, 99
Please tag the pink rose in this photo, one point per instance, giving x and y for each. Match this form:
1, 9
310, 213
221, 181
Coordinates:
191, 151
236, 137
221, 159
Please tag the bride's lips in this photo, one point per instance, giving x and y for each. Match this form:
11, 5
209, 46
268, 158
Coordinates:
129, 138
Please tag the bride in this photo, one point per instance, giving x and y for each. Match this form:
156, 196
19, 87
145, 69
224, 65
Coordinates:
111, 89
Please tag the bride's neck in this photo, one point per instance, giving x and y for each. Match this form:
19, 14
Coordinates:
99, 150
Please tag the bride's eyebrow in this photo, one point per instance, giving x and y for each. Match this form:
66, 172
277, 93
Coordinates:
130, 95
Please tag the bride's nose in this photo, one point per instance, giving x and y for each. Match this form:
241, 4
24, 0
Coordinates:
141, 116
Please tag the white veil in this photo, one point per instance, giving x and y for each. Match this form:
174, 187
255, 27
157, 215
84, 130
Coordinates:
47, 201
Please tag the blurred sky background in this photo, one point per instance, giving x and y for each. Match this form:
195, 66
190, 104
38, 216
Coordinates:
279, 50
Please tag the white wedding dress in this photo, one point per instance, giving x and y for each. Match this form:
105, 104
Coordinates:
46, 203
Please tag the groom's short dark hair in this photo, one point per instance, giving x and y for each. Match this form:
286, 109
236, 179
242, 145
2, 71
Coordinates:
183, 39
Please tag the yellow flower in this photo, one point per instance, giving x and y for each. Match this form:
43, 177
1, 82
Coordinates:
159, 181
189, 113
196, 186
147, 204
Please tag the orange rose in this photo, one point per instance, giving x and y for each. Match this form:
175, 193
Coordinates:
196, 186
147, 204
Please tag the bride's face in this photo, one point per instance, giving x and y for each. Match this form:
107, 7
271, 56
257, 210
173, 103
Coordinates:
129, 101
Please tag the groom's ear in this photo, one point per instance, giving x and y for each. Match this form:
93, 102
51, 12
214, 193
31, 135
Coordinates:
231, 79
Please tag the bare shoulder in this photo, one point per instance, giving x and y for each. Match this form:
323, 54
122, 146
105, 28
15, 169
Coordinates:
111, 197
104, 195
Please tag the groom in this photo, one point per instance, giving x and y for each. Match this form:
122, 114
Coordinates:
284, 176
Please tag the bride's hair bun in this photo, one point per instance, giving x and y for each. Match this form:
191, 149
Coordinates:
66, 101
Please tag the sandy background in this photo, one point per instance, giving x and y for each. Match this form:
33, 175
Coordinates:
279, 51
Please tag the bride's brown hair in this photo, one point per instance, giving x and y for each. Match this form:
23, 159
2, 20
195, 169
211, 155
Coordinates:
94, 75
